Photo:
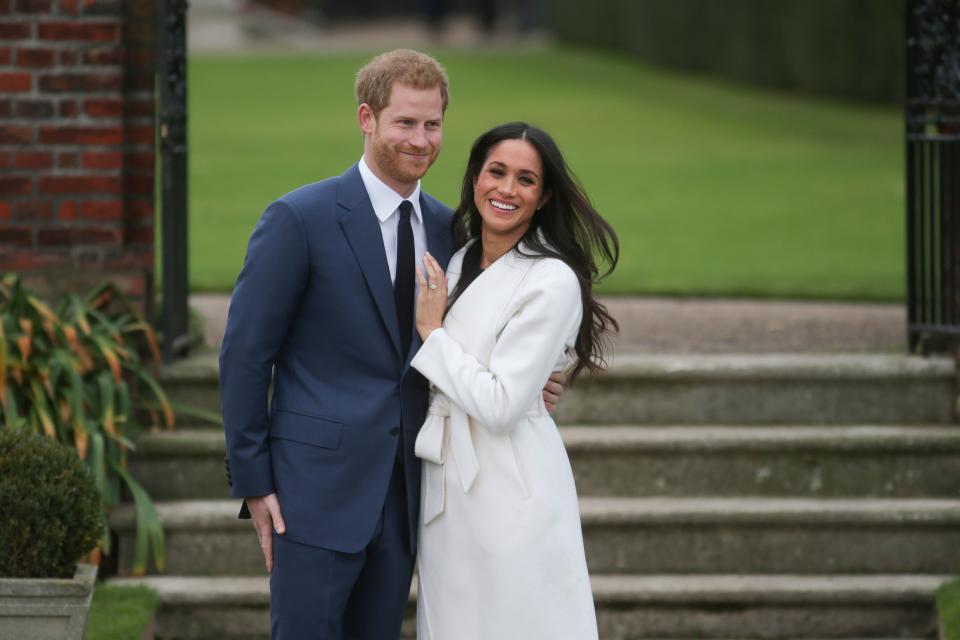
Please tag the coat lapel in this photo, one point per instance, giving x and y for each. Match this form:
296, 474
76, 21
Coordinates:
362, 229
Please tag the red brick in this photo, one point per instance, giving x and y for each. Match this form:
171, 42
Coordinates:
79, 236
20, 186
68, 108
140, 161
67, 210
16, 135
19, 236
140, 108
69, 7
6, 108
140, 209
79, 184
33, 109
5, 160
33, 210
15, 82
6, 55
102, 160
86, 31
5, 213
69, 58
33, 6
5, 7
101, 210
33, 160
14, 30
142, 185
81, 135
140, 235
29, 259
141, 56
104, 56
105, 108
68, 160
79, 82
140, 135
35, 58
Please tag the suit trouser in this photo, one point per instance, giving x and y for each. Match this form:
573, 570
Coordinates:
320, 594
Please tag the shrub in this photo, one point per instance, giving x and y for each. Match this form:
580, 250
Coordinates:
49, 507
79, 376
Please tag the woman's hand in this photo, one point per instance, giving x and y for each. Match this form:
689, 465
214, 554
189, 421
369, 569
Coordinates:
432, 299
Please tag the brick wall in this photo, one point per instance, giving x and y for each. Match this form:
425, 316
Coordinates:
77, 143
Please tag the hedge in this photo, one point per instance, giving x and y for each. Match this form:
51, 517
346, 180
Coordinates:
845, 48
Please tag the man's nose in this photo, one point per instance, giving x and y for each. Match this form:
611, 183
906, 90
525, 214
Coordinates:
419, 138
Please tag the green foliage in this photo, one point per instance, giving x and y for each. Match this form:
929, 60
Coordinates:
715, 189
49, 507
846, 48
119, 612
77, 376
948, 609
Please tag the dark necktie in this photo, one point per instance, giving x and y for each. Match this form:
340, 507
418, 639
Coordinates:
404, 283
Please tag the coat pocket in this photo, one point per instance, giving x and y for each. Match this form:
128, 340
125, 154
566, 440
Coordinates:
319, 432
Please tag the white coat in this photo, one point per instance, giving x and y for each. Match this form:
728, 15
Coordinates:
501, 550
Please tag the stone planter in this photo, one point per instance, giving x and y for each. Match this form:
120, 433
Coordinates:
46, 608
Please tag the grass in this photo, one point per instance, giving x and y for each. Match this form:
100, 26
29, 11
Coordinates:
948, 610
119, 613
714, 189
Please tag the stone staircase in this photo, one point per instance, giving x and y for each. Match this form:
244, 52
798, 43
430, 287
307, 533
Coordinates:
721, 497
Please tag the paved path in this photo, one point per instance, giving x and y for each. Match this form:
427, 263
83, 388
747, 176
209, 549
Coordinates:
669, 325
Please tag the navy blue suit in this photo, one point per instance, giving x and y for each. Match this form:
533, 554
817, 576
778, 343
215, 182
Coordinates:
313, 312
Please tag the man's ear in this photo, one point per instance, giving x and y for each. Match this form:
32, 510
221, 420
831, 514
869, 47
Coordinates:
366, 118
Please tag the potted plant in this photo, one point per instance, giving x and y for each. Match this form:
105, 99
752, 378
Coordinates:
51, 515
80, 377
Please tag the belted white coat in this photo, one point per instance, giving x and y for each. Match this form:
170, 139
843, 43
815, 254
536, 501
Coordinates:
500, 547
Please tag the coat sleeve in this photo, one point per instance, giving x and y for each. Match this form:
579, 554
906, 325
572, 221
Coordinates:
530, 342
264, 303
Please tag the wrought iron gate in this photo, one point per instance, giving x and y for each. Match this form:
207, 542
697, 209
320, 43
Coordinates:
172, 86
933, 174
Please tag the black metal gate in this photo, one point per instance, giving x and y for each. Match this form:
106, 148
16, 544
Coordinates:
933, 174
172, 86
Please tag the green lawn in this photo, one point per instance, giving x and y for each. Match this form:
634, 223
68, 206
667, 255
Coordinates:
119, 613
714, 189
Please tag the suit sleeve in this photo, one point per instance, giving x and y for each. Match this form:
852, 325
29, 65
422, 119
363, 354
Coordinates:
529, 344
264, 303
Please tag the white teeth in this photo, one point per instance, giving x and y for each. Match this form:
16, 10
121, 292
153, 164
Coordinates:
504, 206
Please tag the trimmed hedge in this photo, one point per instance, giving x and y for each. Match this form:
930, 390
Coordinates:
845, 48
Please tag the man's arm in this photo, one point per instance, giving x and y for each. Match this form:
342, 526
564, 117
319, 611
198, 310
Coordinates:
262, 308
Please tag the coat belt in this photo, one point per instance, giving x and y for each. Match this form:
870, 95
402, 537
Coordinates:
445, 421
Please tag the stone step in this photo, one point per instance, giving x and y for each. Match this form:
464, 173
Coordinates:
717, 389
629, 607
869, 461
649, 535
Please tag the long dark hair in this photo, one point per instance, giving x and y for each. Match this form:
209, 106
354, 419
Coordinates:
567, 227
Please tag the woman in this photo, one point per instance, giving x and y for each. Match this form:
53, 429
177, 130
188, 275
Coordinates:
501, 550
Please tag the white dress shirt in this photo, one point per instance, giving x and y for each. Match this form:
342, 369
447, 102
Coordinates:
386, 206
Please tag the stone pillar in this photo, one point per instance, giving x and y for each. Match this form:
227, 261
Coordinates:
77, 144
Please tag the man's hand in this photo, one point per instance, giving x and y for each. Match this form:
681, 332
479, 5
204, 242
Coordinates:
265, 512
553, 390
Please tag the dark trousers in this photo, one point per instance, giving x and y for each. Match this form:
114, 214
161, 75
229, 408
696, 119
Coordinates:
319, 594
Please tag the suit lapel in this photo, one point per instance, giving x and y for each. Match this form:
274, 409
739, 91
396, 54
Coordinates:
362, 229
439, 244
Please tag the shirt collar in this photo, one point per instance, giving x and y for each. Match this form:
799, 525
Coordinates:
384, 199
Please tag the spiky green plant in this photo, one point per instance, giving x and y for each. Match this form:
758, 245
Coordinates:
81, 375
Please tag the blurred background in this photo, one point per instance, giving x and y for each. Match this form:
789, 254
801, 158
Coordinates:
740, 148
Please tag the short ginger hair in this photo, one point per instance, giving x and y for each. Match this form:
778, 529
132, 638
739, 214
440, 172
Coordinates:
403, 66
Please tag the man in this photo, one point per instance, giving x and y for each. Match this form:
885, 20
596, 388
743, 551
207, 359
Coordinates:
323, 308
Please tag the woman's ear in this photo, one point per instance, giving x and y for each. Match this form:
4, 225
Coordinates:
544, 200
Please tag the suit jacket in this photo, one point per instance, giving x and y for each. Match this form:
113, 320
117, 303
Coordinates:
313, 312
